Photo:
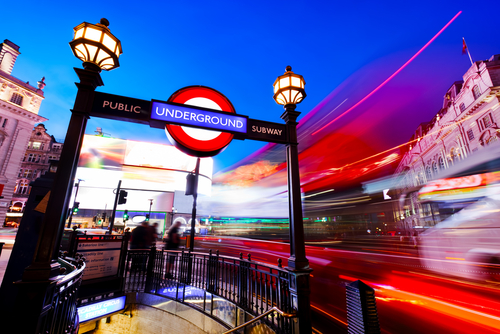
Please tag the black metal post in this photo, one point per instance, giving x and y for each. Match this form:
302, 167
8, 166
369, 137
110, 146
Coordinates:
74, 201
35, 285
298, 265
193, 221
112, 222
193, 213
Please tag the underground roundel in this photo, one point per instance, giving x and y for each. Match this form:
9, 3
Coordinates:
194, 141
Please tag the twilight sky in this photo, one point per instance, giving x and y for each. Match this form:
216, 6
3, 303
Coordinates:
344, 50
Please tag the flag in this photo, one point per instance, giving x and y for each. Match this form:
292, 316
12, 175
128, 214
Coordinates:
464, 46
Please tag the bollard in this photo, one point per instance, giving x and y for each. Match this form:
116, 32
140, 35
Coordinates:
362, 315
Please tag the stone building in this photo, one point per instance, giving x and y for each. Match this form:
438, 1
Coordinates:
42, 148
19, 106
468, 121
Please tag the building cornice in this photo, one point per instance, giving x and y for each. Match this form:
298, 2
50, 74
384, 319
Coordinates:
15, 109
21, 83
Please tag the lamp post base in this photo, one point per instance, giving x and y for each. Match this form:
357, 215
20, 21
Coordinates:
300, 295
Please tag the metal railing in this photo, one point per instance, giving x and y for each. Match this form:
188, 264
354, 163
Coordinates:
274, 309
217, 285
60, 314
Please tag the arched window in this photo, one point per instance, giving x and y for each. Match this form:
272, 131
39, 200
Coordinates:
434, 168
476, 92
428, 173
441, 164
462, 107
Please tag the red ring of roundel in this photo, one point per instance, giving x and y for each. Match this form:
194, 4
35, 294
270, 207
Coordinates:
181, 137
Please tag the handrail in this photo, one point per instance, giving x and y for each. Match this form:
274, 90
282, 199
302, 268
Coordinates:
274, 309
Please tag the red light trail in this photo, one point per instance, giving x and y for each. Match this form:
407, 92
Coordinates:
392, 76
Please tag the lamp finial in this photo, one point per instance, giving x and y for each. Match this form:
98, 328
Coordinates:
289, 68
104, 22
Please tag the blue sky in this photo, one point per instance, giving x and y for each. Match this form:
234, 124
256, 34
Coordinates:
239, 48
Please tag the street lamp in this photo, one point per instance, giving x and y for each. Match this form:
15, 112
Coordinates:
289, 88
99, 50
172, 213
288, 91
150, 205
96, 46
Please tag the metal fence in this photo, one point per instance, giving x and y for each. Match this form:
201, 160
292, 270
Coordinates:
60, 314
213, 284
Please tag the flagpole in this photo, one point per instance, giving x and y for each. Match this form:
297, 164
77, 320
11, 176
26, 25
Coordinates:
467, 48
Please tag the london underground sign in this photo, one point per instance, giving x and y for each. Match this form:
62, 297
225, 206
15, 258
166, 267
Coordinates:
202, 142
198, 120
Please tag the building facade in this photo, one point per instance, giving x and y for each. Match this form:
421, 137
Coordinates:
42, 148
19, 106
468, 121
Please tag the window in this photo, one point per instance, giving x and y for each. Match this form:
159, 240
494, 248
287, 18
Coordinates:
17, 99
428, 173
37, 145
31, 157
434, 167
38, 157
476, 92
4, 123
487, 121
35, 174
462, 107
53, 157
22, 187
20, 173
28, 173
441, 164
470, 134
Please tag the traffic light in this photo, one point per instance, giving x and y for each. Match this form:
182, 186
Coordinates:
122, 199
147, 217
76, 205
191, 184
125, 215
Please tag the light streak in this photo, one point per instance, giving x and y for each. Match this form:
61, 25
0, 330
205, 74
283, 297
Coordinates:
392, 76
330, 315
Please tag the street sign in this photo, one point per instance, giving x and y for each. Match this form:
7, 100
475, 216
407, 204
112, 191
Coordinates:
266, 131
179, 114
187, 111
120, 108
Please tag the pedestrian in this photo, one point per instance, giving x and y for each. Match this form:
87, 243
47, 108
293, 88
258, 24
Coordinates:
172, 241
154, 233
140, 238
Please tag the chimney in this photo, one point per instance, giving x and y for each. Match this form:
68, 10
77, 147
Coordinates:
8, 55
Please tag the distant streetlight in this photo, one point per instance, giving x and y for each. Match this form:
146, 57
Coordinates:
150, 205
288, 91
172, 213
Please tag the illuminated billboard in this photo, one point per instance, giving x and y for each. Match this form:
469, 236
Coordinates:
151, 170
